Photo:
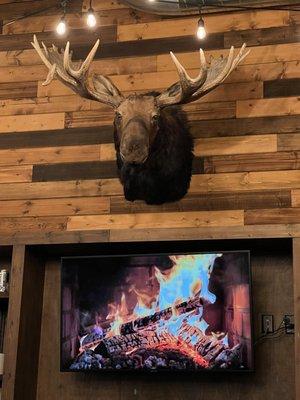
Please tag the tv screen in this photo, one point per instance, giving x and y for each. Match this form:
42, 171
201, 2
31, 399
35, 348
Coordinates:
157, 312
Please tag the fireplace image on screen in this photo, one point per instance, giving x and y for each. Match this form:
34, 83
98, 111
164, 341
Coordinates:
177, 312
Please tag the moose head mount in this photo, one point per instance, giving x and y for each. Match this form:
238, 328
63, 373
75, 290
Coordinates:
153, 145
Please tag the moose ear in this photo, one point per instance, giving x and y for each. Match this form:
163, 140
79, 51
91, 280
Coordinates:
104, 85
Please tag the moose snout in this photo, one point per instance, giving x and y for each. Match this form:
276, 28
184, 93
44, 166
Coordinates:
134, 150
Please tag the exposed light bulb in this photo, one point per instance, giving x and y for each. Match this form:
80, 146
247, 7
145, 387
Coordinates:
201, 32
61, 27
91, 19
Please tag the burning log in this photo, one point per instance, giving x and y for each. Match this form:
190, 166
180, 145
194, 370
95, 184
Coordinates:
127, 343
143, 322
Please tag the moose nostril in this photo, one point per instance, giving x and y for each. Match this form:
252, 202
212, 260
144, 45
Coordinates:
134, 147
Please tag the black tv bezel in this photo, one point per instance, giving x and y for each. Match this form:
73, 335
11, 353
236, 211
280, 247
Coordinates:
172, 372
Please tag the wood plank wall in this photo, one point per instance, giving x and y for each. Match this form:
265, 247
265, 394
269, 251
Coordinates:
58, 179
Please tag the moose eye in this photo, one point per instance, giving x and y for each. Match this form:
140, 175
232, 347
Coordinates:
155, 117
118, 116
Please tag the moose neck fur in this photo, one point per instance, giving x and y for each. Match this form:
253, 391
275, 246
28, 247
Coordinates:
165, 175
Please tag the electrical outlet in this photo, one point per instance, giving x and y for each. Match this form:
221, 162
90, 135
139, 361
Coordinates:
267, 323
289, 324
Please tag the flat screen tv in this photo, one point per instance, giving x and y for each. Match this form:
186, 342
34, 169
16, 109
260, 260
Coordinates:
157, 312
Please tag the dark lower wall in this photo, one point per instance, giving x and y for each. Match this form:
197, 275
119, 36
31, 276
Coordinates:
273, 378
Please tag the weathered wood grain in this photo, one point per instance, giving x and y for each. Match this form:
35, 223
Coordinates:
47, 155
148, 220
55, 207
204, 233
36, 122
282, 88
18, 90
290, 142
295, 197
56, 138
16, 174
214, 23
272, 216
207, 202
268, 107
245, 181
9, 225
246, 126
74, 171
264, 36
50, 190
235, 145
79, 37
259, 55
283, 160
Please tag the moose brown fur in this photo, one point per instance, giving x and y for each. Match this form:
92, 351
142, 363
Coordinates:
153, 145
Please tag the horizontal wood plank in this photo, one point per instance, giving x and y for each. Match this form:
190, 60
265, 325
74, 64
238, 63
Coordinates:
46, 155
79, 37
53, 190
10, 225
245, 181
235, 145
204, 233
284, 160
55, 207
295, 197
268, 107
148, 220
290, 142
16, 174
207, 202
282, 88
272, 216
36, 122
246, 126
18, 90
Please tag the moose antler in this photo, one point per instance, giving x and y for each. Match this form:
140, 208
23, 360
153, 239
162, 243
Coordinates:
188, 89
60, 65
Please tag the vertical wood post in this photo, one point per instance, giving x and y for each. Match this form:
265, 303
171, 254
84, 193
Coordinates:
22, 338
13, 322
296, 273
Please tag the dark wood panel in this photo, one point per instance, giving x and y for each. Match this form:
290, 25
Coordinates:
77, 37
245, 126
260, 37
153, 46
18, 90
54, 138
273, 216
218, 201
87, 170
74, 171
284, 160
282, 88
